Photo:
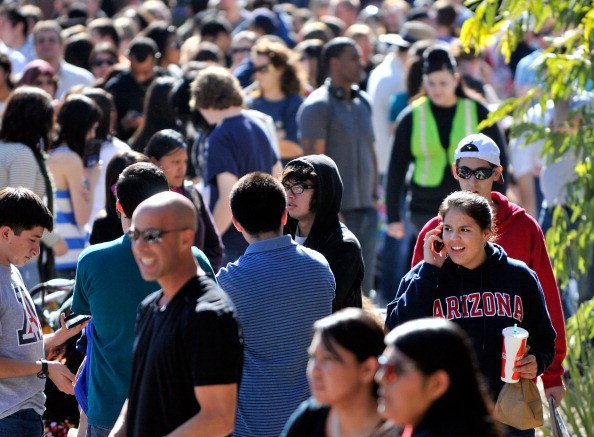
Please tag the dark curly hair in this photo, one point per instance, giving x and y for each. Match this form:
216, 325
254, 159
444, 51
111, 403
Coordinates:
216, 88
280, 56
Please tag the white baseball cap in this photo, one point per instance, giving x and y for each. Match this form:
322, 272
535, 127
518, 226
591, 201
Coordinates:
479, 146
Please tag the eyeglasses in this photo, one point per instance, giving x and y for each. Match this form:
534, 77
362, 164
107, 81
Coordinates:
50, 40
297, 189
240, 50
480, 174
150, 236
100, 62
392, 370
262, 68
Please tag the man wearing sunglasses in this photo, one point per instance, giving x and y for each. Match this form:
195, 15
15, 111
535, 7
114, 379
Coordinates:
188, 350
109, 287
476, 167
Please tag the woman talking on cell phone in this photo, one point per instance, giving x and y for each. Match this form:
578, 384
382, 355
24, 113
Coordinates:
472, 282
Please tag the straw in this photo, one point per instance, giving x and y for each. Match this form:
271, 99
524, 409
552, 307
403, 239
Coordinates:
515, 328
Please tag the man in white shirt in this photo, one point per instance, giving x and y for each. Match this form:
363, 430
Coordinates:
49, 47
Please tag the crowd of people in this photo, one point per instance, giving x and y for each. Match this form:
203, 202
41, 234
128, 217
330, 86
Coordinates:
238, 191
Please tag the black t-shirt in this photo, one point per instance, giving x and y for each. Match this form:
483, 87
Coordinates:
194, 341
309, 419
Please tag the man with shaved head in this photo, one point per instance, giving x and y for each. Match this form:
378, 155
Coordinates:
109, 287
188, 350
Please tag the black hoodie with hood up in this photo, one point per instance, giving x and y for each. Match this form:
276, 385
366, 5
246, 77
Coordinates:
499, 293
331, 238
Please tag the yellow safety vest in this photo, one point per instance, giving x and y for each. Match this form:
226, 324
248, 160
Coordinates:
431, 159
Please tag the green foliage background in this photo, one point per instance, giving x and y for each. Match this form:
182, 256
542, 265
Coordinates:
567, 71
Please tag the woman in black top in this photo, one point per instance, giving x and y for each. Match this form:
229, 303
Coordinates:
342, 364
430, 382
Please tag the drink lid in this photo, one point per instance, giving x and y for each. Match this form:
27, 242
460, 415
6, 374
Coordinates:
515, 331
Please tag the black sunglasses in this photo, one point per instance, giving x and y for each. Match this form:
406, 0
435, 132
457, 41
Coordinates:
150, 236
100, 62
480, 174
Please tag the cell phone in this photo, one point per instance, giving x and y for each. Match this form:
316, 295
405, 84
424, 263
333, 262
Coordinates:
73, 320
92, 151
438, 245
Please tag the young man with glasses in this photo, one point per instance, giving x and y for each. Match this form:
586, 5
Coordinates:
314, 194
109, 287
477, 166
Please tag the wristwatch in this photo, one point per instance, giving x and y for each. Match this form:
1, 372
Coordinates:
44, 370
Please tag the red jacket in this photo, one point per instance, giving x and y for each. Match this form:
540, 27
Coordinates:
521, 237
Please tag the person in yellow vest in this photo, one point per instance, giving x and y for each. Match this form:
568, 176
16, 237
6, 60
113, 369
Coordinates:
427, 134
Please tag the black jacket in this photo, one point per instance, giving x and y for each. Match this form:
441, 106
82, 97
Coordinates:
330, 237
498, 294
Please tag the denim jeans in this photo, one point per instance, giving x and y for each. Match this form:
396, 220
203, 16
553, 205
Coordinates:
395, 264
363, 223
23, 423
396, 258
98, 430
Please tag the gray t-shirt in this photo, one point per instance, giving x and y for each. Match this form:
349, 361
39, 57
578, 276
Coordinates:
346, 127
21, 338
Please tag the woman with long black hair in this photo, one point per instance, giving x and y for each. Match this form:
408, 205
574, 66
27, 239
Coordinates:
341, 370
75, 173
430, 382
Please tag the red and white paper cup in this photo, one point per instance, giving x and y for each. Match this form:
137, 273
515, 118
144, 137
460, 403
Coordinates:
514, 348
